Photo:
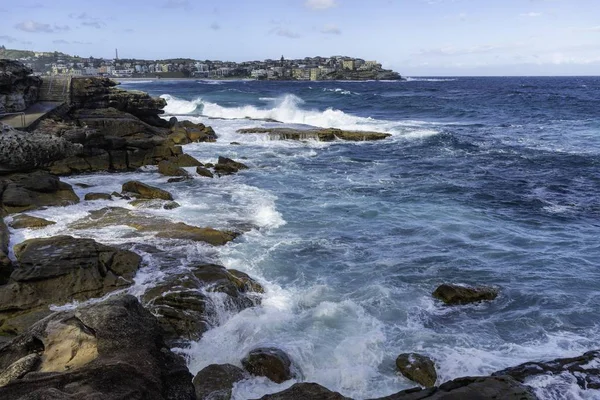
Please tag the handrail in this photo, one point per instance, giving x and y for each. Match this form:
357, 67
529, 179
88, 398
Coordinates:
21, 113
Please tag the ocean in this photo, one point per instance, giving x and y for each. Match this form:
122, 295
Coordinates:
485, 181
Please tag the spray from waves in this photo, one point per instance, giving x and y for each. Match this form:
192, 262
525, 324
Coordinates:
177, 106
408, 79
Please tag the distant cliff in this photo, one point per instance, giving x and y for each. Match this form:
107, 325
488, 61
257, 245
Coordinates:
378, 75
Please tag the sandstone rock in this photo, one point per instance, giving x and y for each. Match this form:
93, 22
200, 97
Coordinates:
141, 190
111, 350
204, 172
417, 368
25, 151
323, 135
305, 391
61, 269
163, 227
168, 168
270, 362
215, 382
24, 192
27, 221
185, 160
97, 196
19, 368
227, 166
457, 294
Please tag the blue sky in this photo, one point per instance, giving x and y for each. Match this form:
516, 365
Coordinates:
414, 37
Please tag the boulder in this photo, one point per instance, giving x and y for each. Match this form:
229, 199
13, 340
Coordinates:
97, 196
18, 88
458, 294
168, 168
305, 391
270, 362
27, 221
185, 160
112, 350
58, 270
163, 227
185, 132
215, 382
183, 308
417, 368
323, 135
204, 172
25, 151
470, 388
141, 190
227, 166
24, 192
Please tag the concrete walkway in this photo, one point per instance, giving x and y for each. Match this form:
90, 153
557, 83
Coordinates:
32, 114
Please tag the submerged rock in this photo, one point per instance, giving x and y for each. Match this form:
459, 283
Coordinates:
215, 382
271, 362
24, 192
141, 190
97, 196
27, 221
417, 368
58, 270
163, 227
457, 294
204, 172
305, 391
323, 135
110, 350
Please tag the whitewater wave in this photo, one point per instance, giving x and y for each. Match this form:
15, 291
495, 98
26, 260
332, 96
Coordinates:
339, 91
209, 82
176, 106
409, 79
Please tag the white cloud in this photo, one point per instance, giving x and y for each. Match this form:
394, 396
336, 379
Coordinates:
284, 32
320, 4
331, 29
531, 14
33, 26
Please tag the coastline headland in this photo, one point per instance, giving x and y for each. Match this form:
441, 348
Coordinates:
105, 342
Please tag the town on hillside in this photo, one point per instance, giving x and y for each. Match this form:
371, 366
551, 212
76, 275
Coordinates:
309, 68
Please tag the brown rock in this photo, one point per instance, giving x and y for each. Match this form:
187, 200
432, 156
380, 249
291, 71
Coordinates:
417, 368
97, 196
141, 190
168, 168
27, 221
305, 391
270, 362
204, 172
215, 382
324, 135
457, 294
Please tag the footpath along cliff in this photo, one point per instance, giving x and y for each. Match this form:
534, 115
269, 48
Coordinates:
120, 348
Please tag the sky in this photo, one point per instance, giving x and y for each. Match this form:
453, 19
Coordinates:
412, 37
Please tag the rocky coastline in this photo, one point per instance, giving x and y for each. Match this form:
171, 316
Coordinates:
114, 345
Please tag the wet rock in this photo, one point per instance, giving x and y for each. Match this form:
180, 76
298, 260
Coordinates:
58, 270
97, 196
24, 192
169, 168
470, 388
163, 227
305, 391
584, 369
457, 294
417, 368
270, 362
110, 350
204, 172
235, 144
215, 382
5, 262
323, 135
141, 190
23, 221
227, 166
171, 205
183, 308
178, 179
185, 160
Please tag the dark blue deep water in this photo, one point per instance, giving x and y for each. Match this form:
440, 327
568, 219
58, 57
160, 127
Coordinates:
492, 181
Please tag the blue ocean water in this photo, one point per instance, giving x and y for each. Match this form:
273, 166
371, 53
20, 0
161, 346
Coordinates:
491, 181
